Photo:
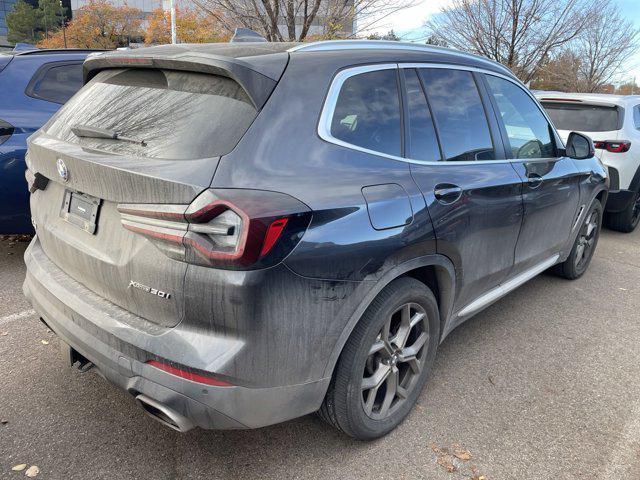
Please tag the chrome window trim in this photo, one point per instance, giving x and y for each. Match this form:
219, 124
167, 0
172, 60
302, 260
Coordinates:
328, 109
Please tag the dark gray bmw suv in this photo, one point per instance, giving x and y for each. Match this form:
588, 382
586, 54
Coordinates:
241, 234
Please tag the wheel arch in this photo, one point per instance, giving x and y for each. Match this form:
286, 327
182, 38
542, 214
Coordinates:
437, 272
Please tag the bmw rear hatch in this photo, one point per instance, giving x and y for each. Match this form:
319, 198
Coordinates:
146, 132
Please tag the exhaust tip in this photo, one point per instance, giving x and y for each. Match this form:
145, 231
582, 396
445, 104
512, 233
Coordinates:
164, 414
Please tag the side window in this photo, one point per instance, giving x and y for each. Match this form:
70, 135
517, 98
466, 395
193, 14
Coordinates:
527, 128
459, 114
423, 141
367, 113
636, 117
56, 84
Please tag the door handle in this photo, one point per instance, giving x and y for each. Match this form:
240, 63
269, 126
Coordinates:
534, 180
447, 193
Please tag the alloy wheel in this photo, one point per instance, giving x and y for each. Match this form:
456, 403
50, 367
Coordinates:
635, 216
395, 360
587, 239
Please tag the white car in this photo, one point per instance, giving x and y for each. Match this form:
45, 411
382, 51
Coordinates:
613, 123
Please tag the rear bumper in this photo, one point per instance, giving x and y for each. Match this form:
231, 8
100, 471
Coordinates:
108, 336
619, 200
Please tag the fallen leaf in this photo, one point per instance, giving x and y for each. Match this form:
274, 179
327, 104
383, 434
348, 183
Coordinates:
462, 454
4, 334
32, 471
490, 378
445, 463
4, 421
44, 342
19, 468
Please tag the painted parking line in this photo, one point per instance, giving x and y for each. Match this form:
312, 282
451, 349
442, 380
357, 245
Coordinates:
16, 316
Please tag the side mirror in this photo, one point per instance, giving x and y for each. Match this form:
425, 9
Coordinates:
579, 146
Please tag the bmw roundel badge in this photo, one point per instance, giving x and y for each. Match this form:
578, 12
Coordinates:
62, 170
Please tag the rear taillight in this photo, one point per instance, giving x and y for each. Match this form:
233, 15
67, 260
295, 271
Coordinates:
6, 130
613, 146
230, 228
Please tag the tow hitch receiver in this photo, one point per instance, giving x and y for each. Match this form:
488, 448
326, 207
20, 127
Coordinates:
74, 359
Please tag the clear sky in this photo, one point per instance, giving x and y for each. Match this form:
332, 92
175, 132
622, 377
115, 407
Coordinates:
408, 24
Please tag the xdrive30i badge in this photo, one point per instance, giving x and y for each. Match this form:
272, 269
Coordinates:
151, 290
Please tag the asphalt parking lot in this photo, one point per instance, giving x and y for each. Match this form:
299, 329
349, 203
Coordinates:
545, 384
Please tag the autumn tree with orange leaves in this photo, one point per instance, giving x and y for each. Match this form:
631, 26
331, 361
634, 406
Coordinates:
191, 27
98, 24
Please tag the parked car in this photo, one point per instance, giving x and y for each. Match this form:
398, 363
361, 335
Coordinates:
241, 234
34, 84
613, 121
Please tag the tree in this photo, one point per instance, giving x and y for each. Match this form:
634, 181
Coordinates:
98, 24
390, 35
628, 88
23, 23
521, 34
604, 48
191, 27
51, 15
292, 20
29, 24
561, 72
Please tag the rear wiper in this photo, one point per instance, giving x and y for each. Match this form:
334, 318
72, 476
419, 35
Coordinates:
95, 132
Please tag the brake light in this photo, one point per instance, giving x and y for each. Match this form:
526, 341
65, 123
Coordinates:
6, 130
230, 228
613, 146
191, 376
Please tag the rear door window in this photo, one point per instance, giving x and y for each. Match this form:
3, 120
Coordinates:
583, 118
171, 114
528, 131
423, 142
459, 114
56, 83
367, 112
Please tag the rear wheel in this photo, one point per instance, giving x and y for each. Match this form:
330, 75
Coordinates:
385, 363
585, 245
627, 220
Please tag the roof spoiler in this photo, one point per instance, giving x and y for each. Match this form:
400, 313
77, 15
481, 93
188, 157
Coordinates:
257, 85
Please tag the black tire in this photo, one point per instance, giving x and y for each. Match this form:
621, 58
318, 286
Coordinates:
584, 246
344, 406
627, 220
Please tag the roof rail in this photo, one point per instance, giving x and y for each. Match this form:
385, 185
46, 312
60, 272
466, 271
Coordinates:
332, 45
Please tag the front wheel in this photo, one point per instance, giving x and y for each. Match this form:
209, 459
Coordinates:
584, 246
385, 363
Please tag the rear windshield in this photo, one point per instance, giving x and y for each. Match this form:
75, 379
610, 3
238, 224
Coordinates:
172, 114
583, 118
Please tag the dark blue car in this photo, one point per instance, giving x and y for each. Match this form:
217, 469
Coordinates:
34, 85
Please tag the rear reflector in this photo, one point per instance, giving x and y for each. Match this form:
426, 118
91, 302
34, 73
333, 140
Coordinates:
193, 377
273, 233
613, 146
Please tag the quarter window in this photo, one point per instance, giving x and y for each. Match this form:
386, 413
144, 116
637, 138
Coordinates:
367, 113
423, 143
57, 84
527, 128
459, 114
636, 117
